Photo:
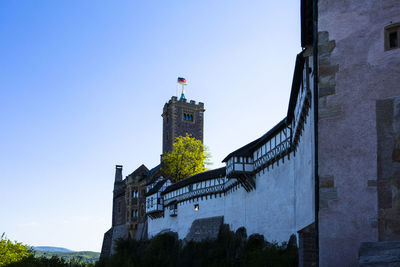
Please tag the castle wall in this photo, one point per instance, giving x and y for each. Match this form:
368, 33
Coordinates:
186, 215
355, 72
281, 204
267, 210
304, 164
119, 210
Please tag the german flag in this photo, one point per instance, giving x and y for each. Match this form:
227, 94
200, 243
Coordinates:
181, 80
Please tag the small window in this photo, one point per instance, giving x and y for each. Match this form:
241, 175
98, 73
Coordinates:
392, 36
187, 117
119, 206
196, 207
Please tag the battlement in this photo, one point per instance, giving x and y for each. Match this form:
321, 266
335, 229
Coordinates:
181, 117
184, 102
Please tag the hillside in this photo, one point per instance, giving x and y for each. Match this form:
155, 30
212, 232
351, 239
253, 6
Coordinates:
66, 254
51, 249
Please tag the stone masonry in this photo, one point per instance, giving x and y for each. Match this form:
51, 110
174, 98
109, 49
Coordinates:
174, 123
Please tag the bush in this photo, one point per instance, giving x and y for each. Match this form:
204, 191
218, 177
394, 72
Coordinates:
12, 251
229, 249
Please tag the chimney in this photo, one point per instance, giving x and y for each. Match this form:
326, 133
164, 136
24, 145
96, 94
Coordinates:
118, 173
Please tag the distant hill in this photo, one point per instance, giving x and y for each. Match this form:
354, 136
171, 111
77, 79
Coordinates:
66, 254
52, 249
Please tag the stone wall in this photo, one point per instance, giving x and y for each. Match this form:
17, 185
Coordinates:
174, 125
119, 210
110, 240
107, 241
206, 228
354, 72
388, 131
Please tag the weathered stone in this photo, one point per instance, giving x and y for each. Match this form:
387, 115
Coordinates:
326, 181
327, 194
388, 133
327, 112
328, 69
326, 90
206, 228
323, 36
372, 183
326, 48
307, 246
379, 254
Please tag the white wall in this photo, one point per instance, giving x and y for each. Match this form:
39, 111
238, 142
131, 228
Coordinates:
281, 204
186, 215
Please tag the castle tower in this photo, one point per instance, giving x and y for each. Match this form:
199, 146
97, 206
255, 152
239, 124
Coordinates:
118, 215
181, 117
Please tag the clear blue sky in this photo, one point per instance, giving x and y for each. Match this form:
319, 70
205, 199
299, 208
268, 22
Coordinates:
82, 88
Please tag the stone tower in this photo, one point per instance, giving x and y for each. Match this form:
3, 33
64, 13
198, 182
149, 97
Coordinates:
181, 117
118, 228
118, 215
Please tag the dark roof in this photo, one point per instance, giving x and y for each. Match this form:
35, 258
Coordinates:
156, 187
140, 171
307, 26
296, 83
207, 175
151, 175
247, 150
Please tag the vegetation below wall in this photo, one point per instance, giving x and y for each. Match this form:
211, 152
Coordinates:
16, 254
32, 261
229, 249
82, 256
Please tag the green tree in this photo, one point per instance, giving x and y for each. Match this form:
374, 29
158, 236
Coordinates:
188, 157
12, 251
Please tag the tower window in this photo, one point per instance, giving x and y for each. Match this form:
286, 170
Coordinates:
187, 117
392, 36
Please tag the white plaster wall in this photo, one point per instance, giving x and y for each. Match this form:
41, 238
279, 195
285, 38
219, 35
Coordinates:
304, 175
281, 204
186, 215
268, 210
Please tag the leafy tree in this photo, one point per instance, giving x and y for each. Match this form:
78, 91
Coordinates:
188, 157
12, 251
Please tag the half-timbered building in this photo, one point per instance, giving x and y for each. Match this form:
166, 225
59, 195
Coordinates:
328, 172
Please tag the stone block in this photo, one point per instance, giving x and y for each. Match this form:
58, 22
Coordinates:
206, 228
326, 90
326, 69
326, 48
327, 112
326, 181
323, 37
326, 195
379, 253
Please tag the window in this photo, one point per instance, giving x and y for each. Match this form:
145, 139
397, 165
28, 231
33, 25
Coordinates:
392, 36
187, 117
196, 207
119, 206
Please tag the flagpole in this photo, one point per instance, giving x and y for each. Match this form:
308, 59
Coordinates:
182, 81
